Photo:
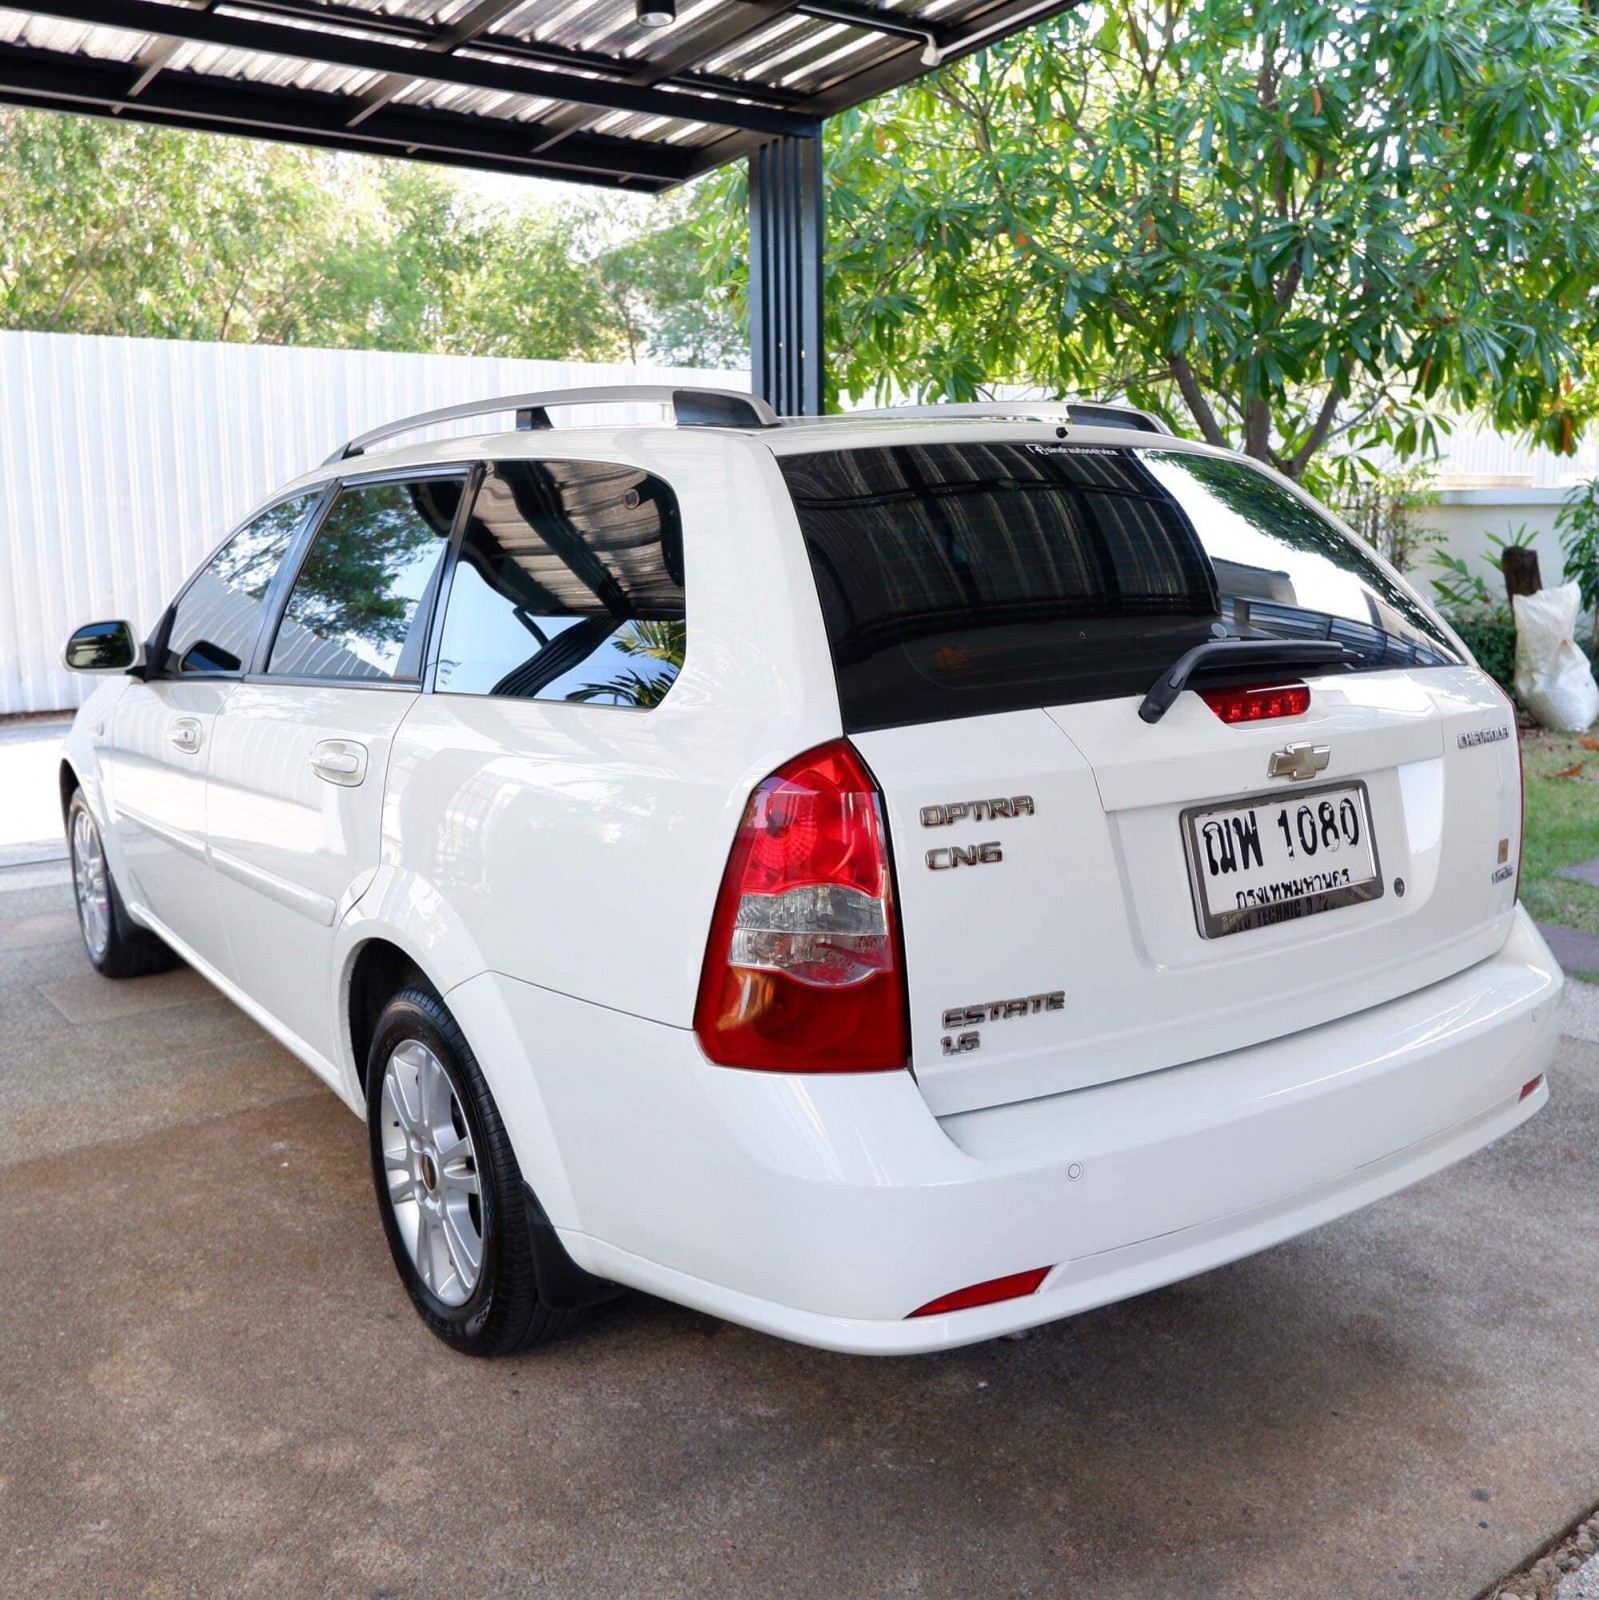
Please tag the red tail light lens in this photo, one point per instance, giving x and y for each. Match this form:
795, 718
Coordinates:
1012, 1287
804, 971
1257, 705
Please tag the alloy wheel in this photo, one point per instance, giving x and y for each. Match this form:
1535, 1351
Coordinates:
91, 883
431, 1171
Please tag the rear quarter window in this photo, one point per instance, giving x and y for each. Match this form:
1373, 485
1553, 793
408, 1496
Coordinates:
960, 579
569, 586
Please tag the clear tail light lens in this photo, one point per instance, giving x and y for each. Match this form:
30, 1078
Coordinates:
804, 970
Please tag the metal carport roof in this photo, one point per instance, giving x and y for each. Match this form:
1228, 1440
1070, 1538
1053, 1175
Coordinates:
575, 89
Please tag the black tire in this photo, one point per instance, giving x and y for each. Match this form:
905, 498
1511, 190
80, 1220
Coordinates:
528, 1290
127, 951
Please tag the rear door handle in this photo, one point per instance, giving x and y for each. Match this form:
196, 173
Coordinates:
185, 734
341, 761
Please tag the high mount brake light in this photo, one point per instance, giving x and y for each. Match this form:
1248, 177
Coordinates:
804, 971
1258, 704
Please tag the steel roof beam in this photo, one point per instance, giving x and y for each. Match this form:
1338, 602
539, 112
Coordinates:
696, 47
421, 33
475, 20
64, 82
954, 42
376, 55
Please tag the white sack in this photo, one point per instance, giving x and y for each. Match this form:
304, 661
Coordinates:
1553, 679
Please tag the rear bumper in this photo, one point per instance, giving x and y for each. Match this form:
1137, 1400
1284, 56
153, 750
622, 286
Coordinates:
824, 1209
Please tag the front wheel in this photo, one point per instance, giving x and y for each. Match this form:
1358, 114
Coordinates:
470, 1243
116, 945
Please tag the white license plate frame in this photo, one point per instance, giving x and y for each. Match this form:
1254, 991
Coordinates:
1219, 924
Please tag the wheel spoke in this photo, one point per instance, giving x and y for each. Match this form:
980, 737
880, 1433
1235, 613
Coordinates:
454, 1148
466, 1249
461, 1180
397, 1169
424, 1245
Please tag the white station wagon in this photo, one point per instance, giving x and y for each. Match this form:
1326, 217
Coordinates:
886, 880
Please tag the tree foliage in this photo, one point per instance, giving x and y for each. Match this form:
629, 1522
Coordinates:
1281, 223
115, 229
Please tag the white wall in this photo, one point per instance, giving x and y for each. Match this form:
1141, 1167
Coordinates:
1465, 517
123, 461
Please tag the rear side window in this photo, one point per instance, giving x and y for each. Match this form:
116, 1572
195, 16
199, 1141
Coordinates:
962, 579
569, 586
213, 624
360, 604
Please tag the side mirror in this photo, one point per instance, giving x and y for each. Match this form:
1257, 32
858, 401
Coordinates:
104, 647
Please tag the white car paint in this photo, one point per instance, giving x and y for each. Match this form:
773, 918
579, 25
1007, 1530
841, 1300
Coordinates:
552, 868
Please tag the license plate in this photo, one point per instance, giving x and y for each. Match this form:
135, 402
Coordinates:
1278, 857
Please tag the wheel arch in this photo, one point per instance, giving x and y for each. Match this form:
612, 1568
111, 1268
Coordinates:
67, 779
401, 930
378, 970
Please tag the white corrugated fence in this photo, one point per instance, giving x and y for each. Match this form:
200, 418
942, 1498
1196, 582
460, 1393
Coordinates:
123, 461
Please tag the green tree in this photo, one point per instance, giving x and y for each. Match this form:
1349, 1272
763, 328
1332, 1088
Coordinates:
1282, 223
114, 229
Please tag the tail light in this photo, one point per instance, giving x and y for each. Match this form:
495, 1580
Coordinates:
804, 970
1258, 704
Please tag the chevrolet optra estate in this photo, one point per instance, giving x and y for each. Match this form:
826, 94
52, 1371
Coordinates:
886, 880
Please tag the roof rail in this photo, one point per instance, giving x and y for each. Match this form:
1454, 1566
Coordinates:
692, 408
1085, 413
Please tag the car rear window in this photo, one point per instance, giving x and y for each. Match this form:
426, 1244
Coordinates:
960, 579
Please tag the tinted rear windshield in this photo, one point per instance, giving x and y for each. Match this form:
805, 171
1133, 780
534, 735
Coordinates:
960, 579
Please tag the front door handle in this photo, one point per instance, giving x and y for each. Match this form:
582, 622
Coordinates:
341, 761
185, 734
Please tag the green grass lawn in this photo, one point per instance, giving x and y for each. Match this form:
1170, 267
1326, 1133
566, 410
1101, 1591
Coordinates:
1562, 828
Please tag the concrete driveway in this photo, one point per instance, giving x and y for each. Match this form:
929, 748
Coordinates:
211, 1383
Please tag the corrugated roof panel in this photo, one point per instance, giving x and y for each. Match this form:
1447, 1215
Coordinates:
71, 38
727, 73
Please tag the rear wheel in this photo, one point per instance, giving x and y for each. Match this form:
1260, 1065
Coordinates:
117, 946
471, 1245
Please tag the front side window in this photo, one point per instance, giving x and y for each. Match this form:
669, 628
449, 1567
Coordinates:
962, 579
213, 624
569, 586
360, 604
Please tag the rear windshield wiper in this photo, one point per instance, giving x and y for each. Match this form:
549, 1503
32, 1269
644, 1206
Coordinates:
1240, 655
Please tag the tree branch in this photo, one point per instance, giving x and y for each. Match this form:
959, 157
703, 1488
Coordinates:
1193, 397
1317, 437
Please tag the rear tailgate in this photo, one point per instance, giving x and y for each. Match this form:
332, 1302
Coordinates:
1085, 895
1072, 949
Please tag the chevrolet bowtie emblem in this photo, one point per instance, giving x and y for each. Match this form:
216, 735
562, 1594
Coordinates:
1299, 761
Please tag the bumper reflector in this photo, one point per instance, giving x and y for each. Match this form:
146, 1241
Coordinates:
1012, 1287
1531, 1088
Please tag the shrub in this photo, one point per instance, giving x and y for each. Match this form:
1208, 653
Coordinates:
1491, 638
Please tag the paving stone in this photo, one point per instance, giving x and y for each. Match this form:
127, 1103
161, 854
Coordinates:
92, 998
35, 854
1581, 1019
1575, 950
40, 929
1583, 872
